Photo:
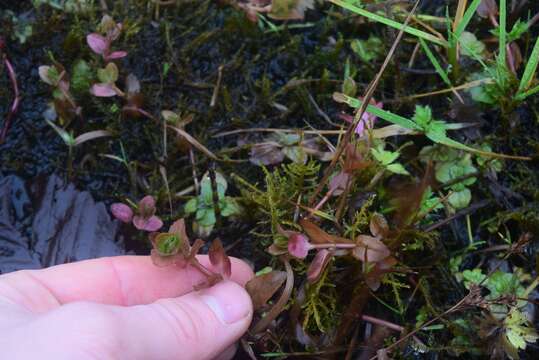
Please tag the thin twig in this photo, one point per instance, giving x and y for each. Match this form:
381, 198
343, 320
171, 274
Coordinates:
15, 86
359, 113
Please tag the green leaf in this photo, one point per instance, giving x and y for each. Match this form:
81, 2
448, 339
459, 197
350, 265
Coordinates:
230, 207
108, 75
422, 116
471, 46
460, 199
349, 87
167, 244
368, 50
82, 76
295, 153
383, 156
397, 169
474, 276
191, 206
501, 283
206, 217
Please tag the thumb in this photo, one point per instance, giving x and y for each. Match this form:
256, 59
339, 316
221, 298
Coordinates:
199, 325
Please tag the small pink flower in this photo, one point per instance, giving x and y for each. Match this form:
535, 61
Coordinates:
122, 212
153, 223
298, 245
367, 119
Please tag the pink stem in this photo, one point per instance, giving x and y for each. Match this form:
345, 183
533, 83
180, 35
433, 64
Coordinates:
16, 100
333, 246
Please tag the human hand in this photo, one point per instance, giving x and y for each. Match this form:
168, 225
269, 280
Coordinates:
122, 308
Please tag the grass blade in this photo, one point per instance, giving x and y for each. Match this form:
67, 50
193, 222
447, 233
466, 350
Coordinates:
394, 24
503, 31
466, 18
382, 114
435, 63
531, 68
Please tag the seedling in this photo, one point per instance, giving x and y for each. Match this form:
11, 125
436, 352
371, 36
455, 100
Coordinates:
101, 42
143, 216
72, 142
279, 145
204, 205
64, 103
174, 248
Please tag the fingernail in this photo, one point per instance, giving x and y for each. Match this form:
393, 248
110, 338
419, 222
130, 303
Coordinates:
229, 301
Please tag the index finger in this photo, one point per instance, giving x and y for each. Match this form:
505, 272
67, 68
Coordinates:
121, 280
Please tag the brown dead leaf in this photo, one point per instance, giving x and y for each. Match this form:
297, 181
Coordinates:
263, 287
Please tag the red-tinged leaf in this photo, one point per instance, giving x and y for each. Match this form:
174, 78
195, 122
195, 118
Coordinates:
178, 228
298, 245
122, 212
370, 249
378, 225
318, 265
153, 223
103, 90
263, 287
373, 277
97, 43
167, 244
146, 206
319, 236
275, 250
219, 259
164, 261
116, 55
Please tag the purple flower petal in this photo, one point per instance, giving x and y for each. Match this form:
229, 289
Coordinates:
103, 90
116, 55
298, 245
97, 43
122, 212
150, 224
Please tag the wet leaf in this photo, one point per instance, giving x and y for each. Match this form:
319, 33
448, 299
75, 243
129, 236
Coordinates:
219, 259
318, 265
263, 287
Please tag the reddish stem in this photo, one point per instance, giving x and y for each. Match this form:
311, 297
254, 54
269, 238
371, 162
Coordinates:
17, 99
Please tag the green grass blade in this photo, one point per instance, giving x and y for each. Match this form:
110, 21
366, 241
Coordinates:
435, 63
394, 24
531, 68
503, 31
466, 18
382, 114
524, 95
409, 124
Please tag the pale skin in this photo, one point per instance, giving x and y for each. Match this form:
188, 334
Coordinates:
122, 308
